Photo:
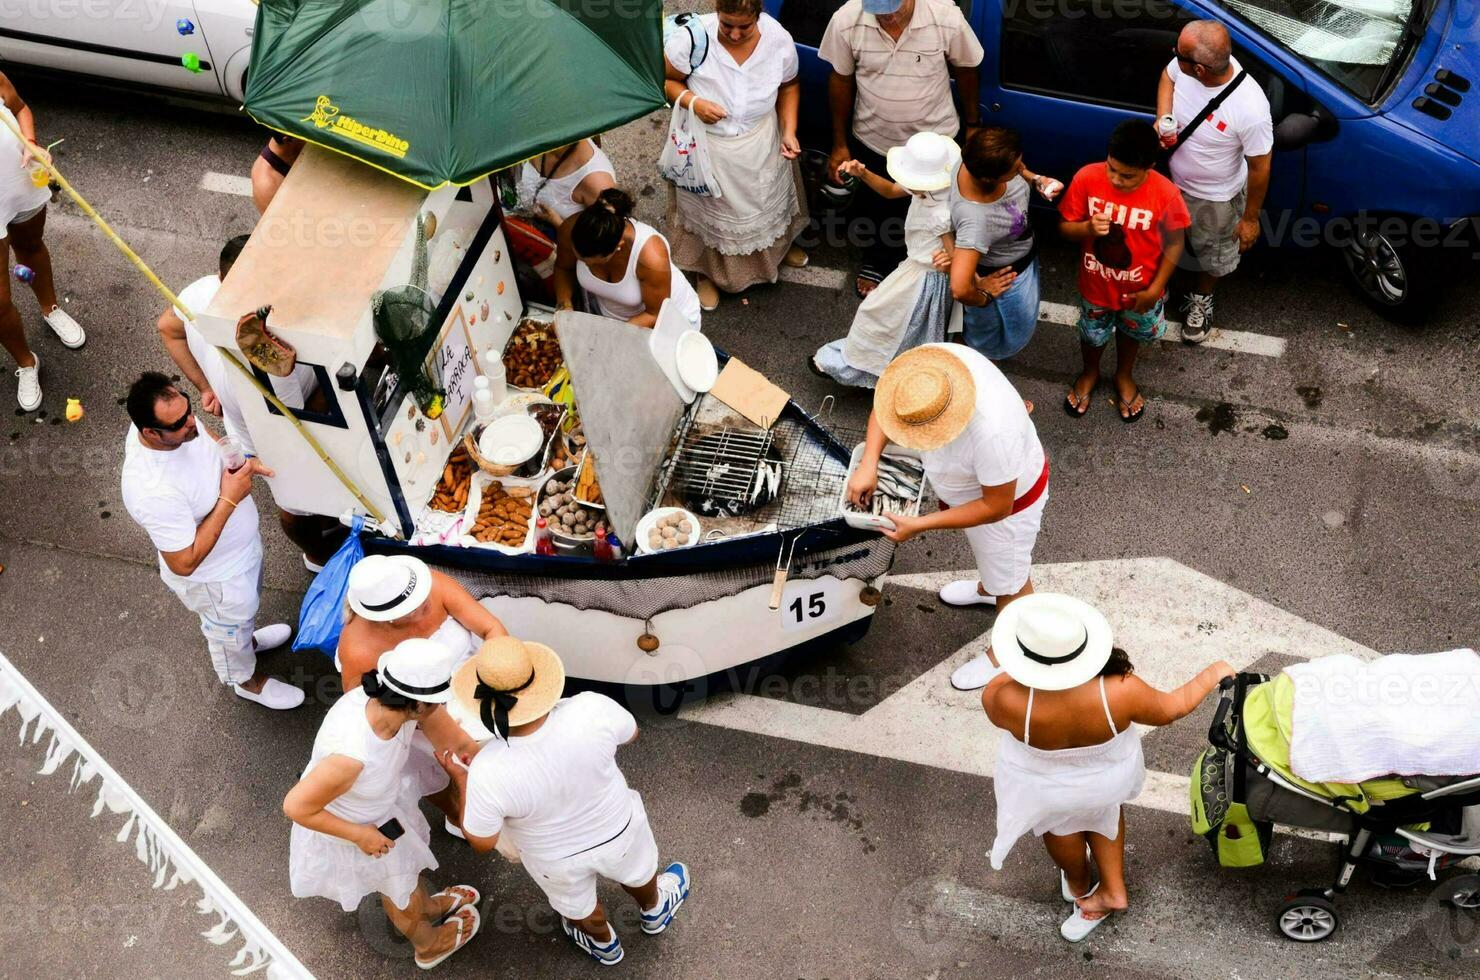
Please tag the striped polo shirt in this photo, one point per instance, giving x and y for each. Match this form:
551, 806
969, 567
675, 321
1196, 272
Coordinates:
903, 87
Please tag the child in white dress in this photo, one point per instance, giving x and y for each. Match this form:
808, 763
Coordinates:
913, 305
357, 829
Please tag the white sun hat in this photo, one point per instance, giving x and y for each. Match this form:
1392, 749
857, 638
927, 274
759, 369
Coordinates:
419, 669
924, 163
1050, 641
386, 587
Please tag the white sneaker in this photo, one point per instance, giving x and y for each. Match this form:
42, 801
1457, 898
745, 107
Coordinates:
274, 694
28, 386
1199, 319
975, 674
68, 330
963, 592
272, 637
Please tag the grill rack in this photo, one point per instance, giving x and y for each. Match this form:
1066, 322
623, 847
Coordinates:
722, 464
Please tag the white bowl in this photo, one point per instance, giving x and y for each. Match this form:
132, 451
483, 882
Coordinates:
652, 517
697, 366
511, 440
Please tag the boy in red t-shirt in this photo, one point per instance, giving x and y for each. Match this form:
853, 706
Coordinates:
1131, 220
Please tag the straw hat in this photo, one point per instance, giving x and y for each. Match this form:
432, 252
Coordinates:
386, 587
509, 681
1050, 641
417, 668
925, 398
924, 163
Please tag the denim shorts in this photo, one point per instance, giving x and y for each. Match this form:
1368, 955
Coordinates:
1096, 323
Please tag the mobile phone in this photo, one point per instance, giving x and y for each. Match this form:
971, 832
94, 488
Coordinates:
391, 829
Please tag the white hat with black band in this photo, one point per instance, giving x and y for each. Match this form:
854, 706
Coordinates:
1050, 641
387, 587
417, 668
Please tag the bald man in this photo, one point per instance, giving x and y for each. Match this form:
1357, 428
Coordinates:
1222, 168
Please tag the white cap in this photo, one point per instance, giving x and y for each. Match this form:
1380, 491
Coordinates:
418, 668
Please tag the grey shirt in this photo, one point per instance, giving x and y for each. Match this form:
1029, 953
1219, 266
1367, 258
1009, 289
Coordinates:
1000, 231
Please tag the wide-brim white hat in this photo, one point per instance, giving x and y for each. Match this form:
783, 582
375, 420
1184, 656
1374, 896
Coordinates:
924, 163
1050, 641
386, 587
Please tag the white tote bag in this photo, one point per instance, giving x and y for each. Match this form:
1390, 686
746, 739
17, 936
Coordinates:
685, 158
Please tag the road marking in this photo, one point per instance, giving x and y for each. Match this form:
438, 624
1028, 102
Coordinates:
1172, 619
226, 184
157, 846
1236, 341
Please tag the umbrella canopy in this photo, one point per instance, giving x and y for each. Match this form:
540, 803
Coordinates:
448, 91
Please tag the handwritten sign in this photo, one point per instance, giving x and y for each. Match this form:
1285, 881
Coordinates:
455, 369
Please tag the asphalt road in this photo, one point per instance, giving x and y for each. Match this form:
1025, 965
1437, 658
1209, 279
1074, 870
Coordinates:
1338, 482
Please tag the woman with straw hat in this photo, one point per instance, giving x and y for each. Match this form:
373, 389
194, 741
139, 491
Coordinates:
1058, 776
548, 777
913, 305
356, 829
983, 460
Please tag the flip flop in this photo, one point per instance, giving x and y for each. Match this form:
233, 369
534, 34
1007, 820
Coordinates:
1069, 896
1073, 410
459, 903
1133, 416
1076, 928
462, 938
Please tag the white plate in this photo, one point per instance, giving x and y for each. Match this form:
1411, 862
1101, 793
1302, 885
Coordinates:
697, 365
652, 517
511, 440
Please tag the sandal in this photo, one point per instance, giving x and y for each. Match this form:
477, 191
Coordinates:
866, 274
1076, 405
1124, 408
465, 915
456, 893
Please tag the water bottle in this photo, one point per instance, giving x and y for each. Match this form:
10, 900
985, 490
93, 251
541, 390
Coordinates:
232, 453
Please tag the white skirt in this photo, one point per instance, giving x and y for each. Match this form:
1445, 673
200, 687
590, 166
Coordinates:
329, 867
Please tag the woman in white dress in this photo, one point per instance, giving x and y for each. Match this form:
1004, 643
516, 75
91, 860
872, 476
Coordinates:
1058, 774
558, 184
357, 829
913, 305
623, 265
745, 89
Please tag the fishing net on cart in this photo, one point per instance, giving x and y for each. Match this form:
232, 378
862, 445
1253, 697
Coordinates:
405, 318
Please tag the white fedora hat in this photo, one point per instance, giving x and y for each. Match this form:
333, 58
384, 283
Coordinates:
924, 163
1050, 641
386, 587
419, 669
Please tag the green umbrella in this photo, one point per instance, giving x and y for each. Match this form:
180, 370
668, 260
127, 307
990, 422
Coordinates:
448, 91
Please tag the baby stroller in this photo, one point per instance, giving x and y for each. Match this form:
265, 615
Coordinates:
1401, 829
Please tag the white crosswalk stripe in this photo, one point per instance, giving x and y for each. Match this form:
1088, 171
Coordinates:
226, 184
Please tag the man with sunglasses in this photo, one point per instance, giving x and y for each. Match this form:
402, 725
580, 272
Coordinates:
1221, 166
201, 518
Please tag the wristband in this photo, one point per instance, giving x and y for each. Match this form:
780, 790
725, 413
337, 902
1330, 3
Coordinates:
228, 500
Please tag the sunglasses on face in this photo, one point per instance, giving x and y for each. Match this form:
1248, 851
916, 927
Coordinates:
177, 425
1184, 59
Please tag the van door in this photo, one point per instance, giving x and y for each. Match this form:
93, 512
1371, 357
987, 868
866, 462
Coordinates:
125, 40
1064, 73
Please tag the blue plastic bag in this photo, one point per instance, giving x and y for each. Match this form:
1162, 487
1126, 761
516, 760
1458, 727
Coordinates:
321, 616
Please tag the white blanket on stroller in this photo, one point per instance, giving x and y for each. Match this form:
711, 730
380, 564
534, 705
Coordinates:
1405, 714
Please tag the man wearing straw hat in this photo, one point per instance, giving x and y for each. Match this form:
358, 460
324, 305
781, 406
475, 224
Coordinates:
984, 462
548, 778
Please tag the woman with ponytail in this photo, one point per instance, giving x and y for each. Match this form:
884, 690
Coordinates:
624, 266
357, 829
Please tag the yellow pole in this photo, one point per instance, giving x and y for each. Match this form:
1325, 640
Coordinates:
266, 391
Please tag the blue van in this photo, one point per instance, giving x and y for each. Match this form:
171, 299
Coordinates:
1376, 109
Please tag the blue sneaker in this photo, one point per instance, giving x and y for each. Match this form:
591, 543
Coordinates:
609, 955
673, 888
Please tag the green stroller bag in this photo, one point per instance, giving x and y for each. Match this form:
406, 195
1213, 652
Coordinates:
1237, 839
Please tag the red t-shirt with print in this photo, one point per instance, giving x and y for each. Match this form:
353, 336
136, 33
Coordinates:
1124, 261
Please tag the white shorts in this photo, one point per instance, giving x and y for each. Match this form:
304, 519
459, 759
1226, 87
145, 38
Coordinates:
1004, 550
630, 858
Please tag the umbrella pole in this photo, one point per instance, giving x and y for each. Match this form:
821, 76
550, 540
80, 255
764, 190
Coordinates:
174, 300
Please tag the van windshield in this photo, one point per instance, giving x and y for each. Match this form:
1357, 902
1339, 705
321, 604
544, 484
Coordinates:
1356, 42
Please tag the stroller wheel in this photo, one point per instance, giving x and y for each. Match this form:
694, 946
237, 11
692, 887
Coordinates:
1307, 918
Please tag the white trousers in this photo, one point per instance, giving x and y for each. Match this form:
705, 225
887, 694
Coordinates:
228, 618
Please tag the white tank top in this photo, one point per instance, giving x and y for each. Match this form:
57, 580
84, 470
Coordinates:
622, 300
556, 193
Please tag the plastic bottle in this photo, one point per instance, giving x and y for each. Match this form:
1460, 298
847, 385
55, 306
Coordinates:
544, 544
618, 553
602, 548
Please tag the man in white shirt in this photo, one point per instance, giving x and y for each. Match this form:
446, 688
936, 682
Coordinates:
983, 459
201, 363
547, 777
1223, 168
892, 66
201, 518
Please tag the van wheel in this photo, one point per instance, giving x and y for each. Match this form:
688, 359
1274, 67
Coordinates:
1396, 278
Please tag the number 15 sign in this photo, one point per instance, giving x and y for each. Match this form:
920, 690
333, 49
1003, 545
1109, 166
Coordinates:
809, 603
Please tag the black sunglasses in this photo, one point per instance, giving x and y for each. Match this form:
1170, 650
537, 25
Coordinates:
1182, 57
179, 424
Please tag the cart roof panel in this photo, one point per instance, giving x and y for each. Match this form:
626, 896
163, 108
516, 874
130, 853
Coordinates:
323, 246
